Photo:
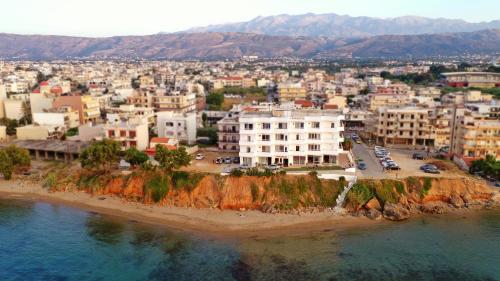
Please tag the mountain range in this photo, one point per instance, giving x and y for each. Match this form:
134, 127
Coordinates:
215, 45
334, 25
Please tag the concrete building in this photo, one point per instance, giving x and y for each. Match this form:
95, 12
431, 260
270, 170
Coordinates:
14, 109
404, 127
291, 91
88, 107
128, 134
375, 101
37, 132
179, 126
291, 137
176, 101
64, 117
475, 135
472, 79
228, 132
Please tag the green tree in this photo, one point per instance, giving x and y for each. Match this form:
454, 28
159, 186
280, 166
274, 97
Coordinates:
11, 125
215, 100
101, 155
135, 157
6, 166
19, 157
172, 159
204, 118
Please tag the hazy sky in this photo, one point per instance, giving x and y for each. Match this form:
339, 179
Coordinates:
137, 17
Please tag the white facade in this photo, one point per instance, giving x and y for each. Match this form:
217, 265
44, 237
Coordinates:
291, 137
41, 102
179, 126
13, 109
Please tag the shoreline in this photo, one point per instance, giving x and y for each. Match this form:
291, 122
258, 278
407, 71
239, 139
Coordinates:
207, 221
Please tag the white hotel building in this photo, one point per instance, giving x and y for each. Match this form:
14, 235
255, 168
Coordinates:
291, 137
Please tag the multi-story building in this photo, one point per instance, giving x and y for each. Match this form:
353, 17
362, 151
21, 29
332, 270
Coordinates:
474, 136
175, 101
141, 98
472, 79
291, 91
179, 126
63, 117
375, 101
88, 107
128, 134
291, 137
129, 111
404, 127
229, 132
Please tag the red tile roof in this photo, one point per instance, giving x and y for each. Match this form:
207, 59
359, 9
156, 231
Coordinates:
304, 103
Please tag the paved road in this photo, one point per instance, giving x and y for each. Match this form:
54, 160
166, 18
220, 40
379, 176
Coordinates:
373, 167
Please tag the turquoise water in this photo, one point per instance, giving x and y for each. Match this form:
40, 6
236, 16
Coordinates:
40, 241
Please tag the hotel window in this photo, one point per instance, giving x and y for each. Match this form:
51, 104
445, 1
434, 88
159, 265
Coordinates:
249, 150
282, 126
315, 125
266, 126
266, 148
169, 124
266, 138
133, 144
299, 125
314, 136
314, 147
111, 133
123, 133
249, 138
248, 126
132, 134
297, 148
332, 125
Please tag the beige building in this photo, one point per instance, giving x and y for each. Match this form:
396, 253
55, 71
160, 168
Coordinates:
291, 92
475, 135
35, 132
177, 102
375, 101
404, 127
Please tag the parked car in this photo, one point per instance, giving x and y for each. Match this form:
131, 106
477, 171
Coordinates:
219, 160
236, 160
358, 141
431, 171
227, 160
418, 156
199, 156
394, 166
362, 166
428, 166
273, 167
244, 167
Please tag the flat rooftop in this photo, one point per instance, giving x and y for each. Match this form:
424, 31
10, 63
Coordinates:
73, 147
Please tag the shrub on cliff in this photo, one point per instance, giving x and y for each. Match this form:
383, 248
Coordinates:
6, 166
135, 157
101, 155
157, 187
172, 159
361, 193
13, 158
186, 181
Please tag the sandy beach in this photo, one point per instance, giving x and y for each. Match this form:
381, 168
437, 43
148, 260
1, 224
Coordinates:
215, 221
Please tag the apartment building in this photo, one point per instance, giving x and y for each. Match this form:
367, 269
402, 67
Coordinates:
14, 108
175, 101
63, 117
291, 137
475, 135
472, 79
141, 99
291, 91
175, 125
130, 111
88, 107
128, 134
375, 101
228, 131
404, 127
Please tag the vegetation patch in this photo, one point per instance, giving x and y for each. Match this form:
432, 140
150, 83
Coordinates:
157, 187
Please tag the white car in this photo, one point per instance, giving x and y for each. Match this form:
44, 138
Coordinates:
199, 156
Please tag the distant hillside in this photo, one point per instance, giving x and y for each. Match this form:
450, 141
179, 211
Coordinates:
234, 45
333, 25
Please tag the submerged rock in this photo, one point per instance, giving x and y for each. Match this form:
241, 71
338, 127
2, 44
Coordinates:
395, 212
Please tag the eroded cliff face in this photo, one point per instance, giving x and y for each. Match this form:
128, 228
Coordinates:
271, 194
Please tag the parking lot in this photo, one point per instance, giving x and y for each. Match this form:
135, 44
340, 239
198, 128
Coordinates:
207, 164
403, 158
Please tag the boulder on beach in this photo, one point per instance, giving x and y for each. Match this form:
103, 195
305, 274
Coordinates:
373, 214
395, 212
373, 204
